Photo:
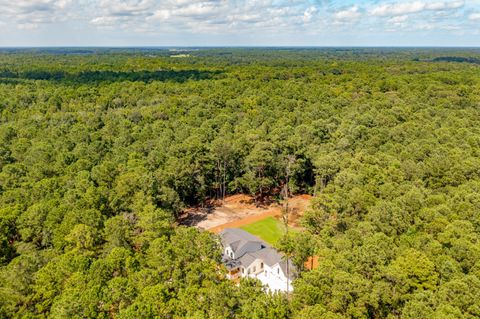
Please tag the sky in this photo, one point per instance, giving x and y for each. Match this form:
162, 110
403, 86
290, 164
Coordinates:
239, 23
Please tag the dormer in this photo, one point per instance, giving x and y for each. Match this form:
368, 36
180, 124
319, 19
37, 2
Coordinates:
229, 252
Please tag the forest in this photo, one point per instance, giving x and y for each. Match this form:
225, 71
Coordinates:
102, 149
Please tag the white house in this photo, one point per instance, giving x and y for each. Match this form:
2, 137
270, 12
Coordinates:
245, 255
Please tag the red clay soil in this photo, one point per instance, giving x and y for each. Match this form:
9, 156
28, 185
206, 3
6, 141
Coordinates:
239, 199
239, 210
298, 204
311, 263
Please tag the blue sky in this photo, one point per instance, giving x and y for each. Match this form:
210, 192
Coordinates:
239, 23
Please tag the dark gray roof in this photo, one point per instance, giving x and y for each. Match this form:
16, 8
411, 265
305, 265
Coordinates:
247, 259
292, 270
231, 263
248, 248
241, 241
269, 256
232, 235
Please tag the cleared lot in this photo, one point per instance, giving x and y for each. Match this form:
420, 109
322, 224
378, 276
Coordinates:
240, 210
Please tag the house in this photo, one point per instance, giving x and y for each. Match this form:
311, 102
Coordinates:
246, 255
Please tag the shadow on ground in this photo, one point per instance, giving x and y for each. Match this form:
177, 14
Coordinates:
97, 77
193, 217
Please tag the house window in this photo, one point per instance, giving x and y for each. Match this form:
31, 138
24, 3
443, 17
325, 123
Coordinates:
231, 254
261, 265
243, 270
248, 271
278, 270
254, 268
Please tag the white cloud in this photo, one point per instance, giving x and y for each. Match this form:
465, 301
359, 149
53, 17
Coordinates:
350, 14
474, 17
243, 16
201, 9
150, 14
123, 14
161, 15
451, 27
104, 21
398, 19
445, 5
397, 9
124, 8
403, 8
309, 13
424, 26
29, 14
232, 19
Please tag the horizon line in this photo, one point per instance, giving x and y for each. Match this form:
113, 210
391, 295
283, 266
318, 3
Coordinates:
235, 46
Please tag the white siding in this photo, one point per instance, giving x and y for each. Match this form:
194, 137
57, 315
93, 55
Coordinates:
229, 252
272, 277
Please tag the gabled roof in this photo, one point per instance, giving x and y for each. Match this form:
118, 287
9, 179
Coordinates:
248, 248
269, 256
232, 235
272, 257
292, 270
247, 259
241, 242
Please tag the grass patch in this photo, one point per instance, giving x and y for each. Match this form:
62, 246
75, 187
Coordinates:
268, 229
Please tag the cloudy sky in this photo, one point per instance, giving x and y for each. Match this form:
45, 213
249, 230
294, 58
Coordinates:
239, 23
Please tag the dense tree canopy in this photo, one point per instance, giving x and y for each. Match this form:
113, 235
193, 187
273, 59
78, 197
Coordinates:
100, 150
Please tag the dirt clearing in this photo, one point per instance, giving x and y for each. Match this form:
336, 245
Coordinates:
240, 210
